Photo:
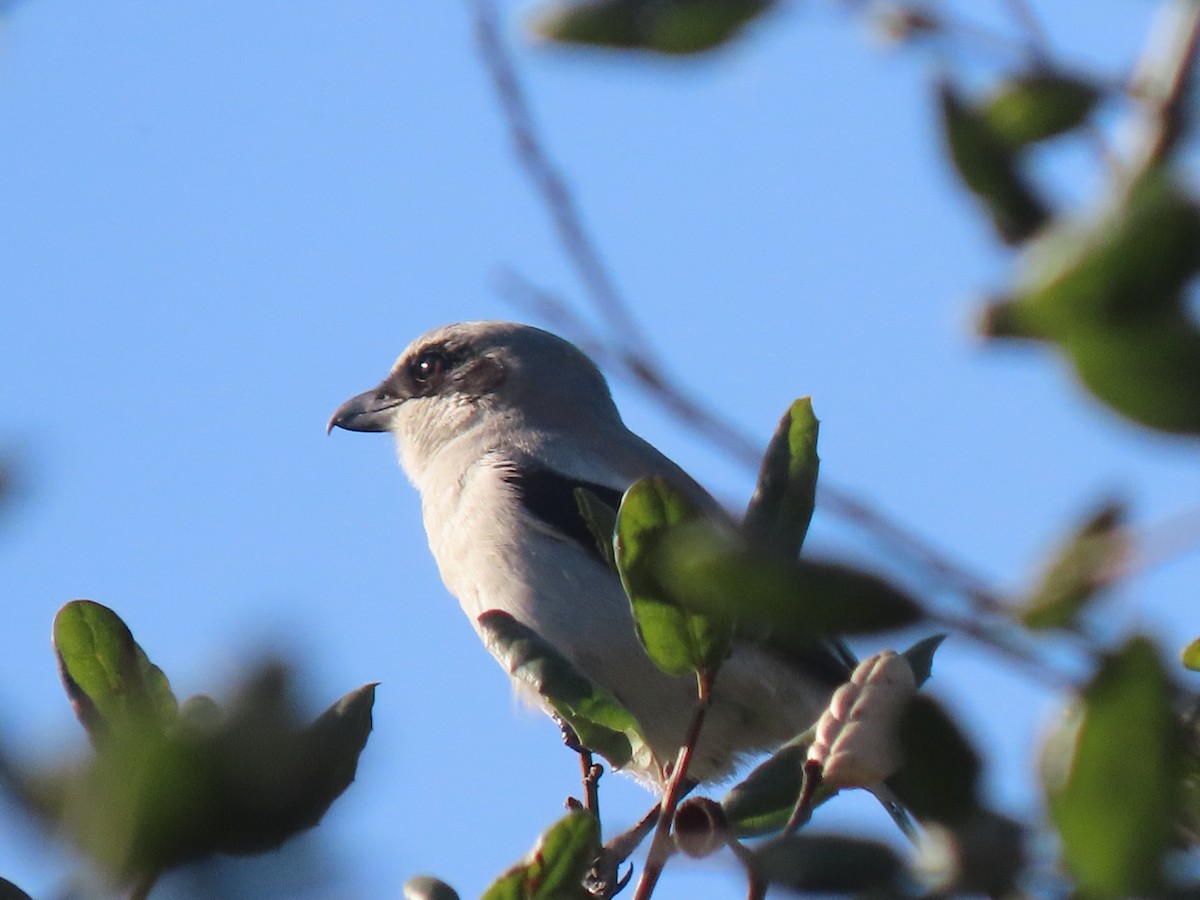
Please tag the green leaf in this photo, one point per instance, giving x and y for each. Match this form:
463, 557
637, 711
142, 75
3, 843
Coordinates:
1040, 106
663, 26
154, 798
920, 657
762, 802
108, 677
1114, 805
790, 603
425, 887
939, 779
556, 867
1083, 566
989, 168
601, 521
782, 505
1190, 657
1112, 296
830, 864
1132, 263
678, 637
599, 721
1148, 371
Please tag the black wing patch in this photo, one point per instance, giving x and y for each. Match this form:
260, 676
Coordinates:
550, 497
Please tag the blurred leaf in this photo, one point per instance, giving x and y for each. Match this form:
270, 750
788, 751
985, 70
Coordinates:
1085, 564
601, 521
1133, 262
599, 721
1037, 107
1111, 295
830, 864
920, 657
939, 779
989, 852
1191, 656
1148, 371
989, 168
1114, 808
664, 26
425, 887
782, 506
108, 677
9, 891
556, 867
152, 798
763, 800
678, 636
790, 602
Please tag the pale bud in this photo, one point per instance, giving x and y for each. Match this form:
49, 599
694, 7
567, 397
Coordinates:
856, 742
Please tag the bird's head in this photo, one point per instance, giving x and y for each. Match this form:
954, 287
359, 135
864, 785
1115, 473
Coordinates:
514, 381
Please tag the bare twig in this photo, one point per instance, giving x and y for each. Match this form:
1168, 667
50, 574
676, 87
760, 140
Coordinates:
802, 811
677, 788
1038, 42
627, 352
756, 887
1027, 20
1161, 81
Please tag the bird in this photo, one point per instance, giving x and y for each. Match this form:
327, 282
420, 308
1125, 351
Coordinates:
497, 424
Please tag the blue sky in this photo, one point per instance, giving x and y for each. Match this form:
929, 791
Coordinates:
219, 221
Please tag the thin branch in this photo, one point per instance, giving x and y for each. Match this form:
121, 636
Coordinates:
1027, 20
677, 789
756, 887
560, 202
1042, 52
1161, 81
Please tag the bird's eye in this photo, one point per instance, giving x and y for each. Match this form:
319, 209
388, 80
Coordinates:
429, 367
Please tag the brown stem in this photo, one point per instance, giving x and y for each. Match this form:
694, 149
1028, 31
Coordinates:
802, 811
1162, 80
756, 887
677, 788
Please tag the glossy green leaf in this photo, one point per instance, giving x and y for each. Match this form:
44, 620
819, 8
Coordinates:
990, 169
601, 521
939, 778
679, 637
762, 802
830, 864
782, 505
790, 603
599, 721
556, 867
425, 887
108, 677
1190, 657
1114, 804
1037, 107
663, 26
1084, 565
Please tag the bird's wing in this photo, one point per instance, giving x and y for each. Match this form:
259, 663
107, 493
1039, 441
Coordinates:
549, 497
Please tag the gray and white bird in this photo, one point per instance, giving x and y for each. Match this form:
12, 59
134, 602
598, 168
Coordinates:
496, 424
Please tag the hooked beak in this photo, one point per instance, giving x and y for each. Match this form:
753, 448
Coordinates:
369, 411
